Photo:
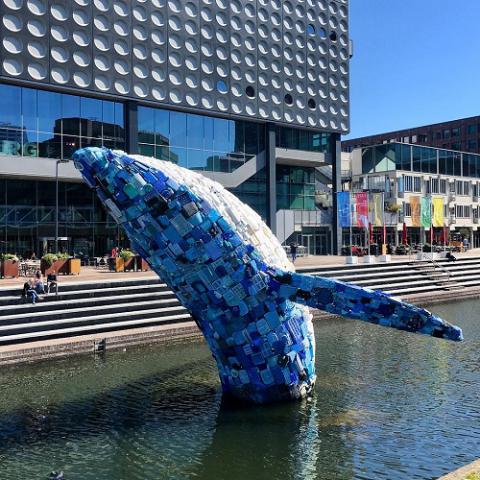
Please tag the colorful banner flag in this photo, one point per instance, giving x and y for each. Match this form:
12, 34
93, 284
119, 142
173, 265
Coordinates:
362, 209
377, 209
344, 212
416, 213
426, 212
438, 216
353, 210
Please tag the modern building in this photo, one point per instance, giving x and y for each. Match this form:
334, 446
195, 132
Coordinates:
252, 93
461, 135
404, 173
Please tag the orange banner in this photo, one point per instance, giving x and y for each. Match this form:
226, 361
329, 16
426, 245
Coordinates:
416, 211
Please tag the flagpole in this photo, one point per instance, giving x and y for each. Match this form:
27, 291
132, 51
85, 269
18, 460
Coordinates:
351, 220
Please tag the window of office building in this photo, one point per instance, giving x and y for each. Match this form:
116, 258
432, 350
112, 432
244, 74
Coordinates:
463, 211
297, 139
39, 123
449, 163
407, 209
443, 186
295, 188
417, 184
455, 132
472, 145
408, 183
471, 165
434, 185
446, 133
28, 212
472, 129
253, 192
198, 142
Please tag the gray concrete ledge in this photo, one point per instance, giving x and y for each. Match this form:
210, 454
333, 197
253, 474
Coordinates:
465, 473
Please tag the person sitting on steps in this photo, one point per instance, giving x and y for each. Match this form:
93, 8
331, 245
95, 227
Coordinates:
450, 257
29, 290
52, 282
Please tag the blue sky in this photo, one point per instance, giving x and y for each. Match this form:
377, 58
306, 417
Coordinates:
415, 62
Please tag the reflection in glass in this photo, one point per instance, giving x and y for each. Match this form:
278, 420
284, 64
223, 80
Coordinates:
29, 109
178, 129
10, 113
49, 112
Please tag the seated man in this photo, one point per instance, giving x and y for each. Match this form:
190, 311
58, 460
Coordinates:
52, 282
450, 257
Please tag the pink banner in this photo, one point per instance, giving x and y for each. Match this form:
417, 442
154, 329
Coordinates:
362, 209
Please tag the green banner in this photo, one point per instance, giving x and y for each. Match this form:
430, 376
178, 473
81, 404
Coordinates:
426, 212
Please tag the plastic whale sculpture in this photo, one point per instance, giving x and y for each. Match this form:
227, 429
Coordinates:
231, 273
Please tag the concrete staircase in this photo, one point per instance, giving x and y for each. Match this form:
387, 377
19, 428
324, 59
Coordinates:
87, 308
407, 278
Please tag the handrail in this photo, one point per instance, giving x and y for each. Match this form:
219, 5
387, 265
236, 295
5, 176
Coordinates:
437, 266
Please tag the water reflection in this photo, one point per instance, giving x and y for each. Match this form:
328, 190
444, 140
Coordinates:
387, 406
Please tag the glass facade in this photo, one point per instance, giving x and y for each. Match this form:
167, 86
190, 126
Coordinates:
295, 188
198, 142
37, 123
27, 218
296, 139
397, 156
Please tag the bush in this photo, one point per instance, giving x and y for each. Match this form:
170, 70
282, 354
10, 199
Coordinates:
126, 254
50, 258
8, 256
63, 256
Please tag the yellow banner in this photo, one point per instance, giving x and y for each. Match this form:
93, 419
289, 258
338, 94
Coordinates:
377, 209
416, 211
438, 216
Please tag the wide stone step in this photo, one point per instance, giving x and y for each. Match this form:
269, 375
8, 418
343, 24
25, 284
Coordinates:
34, 316
90, 293
110, 326
54, 306
88, 285
45, 324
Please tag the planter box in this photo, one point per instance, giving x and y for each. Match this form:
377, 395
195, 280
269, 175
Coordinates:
385, 258
129, 264
9, 269
142, 265
60, 266
352, 260
74, 266
369, 259
116, 264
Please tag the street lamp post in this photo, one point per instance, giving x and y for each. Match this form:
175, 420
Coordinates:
56, 201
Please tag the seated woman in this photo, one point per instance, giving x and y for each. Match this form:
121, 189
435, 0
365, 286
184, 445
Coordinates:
29, 291
38, 284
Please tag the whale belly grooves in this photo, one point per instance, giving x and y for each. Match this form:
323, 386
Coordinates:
231, 273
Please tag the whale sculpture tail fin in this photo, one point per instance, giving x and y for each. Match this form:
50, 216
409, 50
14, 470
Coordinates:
358, 303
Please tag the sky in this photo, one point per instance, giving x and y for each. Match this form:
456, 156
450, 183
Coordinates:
415, 62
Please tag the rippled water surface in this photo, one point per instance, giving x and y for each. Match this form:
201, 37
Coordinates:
387, 406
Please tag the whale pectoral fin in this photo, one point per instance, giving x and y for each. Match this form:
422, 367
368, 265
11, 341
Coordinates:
351, 301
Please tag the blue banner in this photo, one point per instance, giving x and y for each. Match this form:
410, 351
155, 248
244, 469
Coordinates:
344, 209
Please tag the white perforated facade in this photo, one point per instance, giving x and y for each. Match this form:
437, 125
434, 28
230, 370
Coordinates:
282, 61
